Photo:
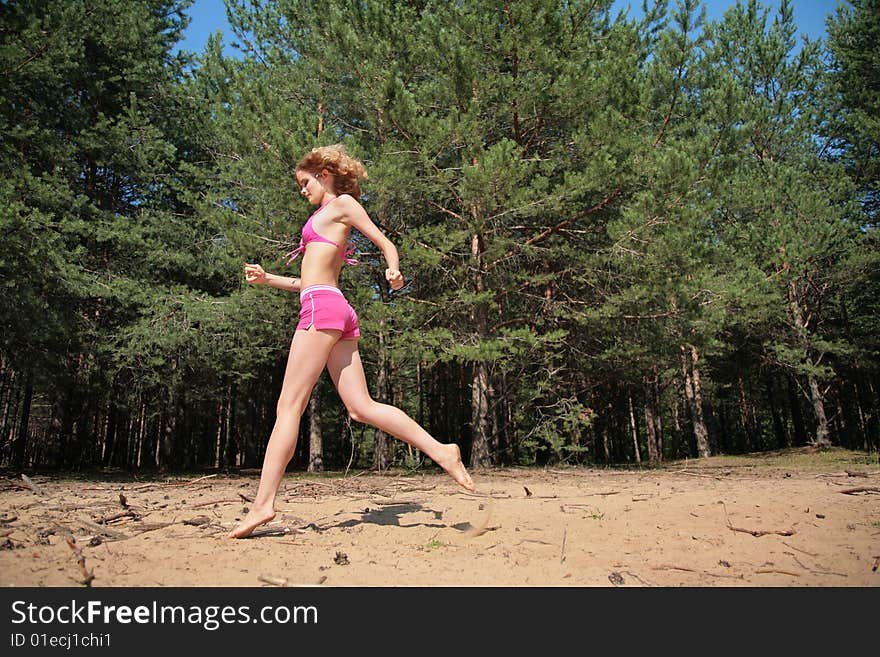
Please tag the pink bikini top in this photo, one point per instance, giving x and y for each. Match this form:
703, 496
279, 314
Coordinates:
310, 235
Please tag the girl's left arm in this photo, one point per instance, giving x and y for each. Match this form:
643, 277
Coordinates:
354, 215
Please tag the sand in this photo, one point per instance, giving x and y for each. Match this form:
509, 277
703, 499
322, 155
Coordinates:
769, 520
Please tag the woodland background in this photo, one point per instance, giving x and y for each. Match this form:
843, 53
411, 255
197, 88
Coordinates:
627, 240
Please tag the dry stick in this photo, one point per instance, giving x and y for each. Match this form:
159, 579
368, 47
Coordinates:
105, 531
633, 575
223, 501
88, 576
860, 489
173, 483
117, 516
151, 528
274, 581
773, 570
30, 484
756, 532
696, 474
562, 553
812, 554
762, 532
691, 570
7, 519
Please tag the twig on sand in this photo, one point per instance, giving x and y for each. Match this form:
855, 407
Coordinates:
150, 528
634, 576
691, 570
762, 532
88, 575
225, 500
562, 553
104, 531
175, 483
118, 516
860, 489
756, 532
812, 554
30, 484
697, 474
274, 581
774, 570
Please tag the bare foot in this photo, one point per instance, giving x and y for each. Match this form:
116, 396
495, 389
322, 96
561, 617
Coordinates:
455, 468
254, 519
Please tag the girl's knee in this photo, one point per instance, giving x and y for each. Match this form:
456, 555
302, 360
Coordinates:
362, 411
292, 404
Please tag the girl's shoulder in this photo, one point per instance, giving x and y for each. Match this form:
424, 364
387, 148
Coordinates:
346, 205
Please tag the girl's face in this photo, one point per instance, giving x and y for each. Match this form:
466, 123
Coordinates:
310, 186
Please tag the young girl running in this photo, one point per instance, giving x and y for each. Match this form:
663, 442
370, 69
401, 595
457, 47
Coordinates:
327, 332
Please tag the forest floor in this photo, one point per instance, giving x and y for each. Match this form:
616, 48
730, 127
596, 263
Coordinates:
791, 518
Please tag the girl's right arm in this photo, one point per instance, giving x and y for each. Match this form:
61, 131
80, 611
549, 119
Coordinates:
257, 276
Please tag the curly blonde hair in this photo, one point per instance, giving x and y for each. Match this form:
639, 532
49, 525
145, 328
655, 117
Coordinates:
347, 171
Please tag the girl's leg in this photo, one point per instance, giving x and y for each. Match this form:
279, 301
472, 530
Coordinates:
347, 373
308, 355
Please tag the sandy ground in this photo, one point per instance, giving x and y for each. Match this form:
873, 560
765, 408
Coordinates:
786, 519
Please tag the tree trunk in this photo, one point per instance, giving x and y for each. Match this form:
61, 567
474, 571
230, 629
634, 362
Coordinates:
606, 450
480, 392
634, 428
218, 437
653, 421
381, 454
21, 438
694, 398
822, 439
316, 433
816, 397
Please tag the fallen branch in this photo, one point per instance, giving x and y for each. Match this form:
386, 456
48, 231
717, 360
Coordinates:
860, 489
150, 528
222, 501
30, 484
697, 474
762, 532
781, 572
117, 516
562, 553
88, 575
691, 570
755, 532
274, 581
103, 531
812, 554
191, 481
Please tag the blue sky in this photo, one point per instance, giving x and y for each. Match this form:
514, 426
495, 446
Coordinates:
209, 16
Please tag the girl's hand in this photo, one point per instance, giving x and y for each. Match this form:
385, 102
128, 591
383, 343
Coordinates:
394, 278
254, 274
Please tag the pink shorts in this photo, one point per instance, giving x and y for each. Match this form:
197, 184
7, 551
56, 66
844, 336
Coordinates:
325, 307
